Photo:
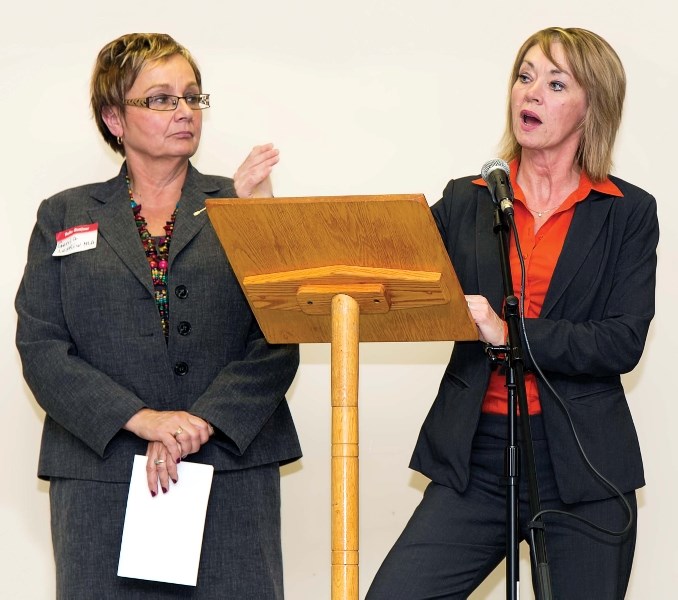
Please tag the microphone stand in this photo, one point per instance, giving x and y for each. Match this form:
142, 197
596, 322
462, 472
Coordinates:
513, 359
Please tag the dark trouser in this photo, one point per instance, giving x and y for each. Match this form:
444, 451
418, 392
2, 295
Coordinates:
454, 541
241, 556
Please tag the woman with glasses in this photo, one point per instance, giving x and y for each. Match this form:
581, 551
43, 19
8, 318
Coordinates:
135, 339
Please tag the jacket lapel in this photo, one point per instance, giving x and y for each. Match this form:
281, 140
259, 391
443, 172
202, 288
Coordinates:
117, 227
588, 221
196, 189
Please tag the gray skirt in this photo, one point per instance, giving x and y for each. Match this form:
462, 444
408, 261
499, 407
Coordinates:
241, 553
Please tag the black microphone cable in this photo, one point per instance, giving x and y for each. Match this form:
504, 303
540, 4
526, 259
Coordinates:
606, 482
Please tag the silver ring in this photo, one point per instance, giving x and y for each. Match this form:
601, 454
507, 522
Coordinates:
158, 461
178, 432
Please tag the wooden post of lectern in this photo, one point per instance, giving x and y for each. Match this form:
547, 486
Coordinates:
343, 270
344, 498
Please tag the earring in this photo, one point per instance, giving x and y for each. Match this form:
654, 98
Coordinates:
119, 140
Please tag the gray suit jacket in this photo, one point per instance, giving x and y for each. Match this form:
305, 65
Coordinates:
93, 351
591, 329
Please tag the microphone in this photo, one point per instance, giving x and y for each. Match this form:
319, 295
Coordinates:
496, 174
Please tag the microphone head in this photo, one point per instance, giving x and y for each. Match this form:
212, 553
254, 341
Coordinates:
492, 164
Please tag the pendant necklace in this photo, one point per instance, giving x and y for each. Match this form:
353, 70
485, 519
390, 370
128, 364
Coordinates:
540, 213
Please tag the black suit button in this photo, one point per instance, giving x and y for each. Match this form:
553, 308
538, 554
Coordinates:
181, 292
184, 328
181, 368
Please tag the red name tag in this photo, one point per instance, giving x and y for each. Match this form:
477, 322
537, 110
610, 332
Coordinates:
76, 239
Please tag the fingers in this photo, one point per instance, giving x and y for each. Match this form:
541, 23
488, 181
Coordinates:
191, 435
491, 327
252, 178
160, 469
477, 306
173, 436
265, 155
172, 446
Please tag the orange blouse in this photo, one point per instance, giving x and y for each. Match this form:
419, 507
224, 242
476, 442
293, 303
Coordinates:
540, 253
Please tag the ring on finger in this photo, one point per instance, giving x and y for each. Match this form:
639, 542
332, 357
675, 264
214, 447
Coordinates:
178, 432
158, 461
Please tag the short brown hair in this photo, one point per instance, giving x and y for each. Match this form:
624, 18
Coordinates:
117, 67
597, 68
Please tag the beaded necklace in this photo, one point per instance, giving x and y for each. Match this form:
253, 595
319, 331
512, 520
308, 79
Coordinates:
157, 251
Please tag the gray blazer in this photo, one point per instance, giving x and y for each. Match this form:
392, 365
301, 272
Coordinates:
93, 352
592, 328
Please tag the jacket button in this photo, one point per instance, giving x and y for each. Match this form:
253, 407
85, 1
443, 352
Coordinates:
181, 292
181, 368
184, 328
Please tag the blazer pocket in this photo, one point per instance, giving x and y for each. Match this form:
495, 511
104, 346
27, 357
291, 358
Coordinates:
454, 380
596, 393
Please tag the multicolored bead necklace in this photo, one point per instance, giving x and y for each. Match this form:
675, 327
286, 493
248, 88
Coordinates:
157, 251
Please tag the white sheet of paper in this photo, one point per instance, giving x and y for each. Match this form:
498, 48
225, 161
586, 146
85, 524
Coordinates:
162, 536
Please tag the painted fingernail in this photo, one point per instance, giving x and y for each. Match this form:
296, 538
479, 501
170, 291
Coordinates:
164, 490
178, 460
174, 481
153, 493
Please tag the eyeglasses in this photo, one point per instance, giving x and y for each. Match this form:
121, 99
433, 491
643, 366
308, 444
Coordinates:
168, 102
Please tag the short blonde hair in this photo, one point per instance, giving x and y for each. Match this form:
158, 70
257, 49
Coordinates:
597, 68
119, 64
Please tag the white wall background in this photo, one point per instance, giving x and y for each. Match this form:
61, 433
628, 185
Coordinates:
362, 97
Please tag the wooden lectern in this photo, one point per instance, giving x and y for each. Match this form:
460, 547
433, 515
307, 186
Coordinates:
343, 270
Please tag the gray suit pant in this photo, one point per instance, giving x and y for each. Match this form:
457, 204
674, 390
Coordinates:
453, 541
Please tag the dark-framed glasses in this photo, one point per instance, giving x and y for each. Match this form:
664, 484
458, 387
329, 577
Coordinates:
169, 102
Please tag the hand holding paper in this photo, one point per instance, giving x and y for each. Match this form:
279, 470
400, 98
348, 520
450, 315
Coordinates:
152, 524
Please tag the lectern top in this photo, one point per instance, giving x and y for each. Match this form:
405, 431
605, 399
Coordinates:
291, 254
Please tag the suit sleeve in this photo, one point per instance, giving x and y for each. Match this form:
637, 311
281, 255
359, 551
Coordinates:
241, 400
82, 399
